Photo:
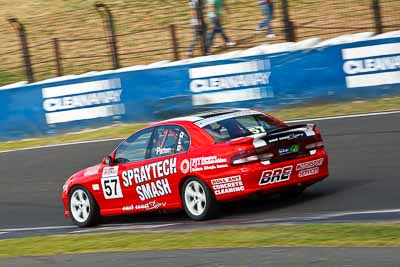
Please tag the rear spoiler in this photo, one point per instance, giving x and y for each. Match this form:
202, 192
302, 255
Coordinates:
257, 139
282, 129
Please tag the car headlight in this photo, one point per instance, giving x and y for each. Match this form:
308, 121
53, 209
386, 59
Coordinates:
65, 187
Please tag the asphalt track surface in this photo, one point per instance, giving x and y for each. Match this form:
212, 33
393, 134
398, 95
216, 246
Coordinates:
363, 185
277, 257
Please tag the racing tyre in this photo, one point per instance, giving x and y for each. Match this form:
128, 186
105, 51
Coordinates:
84, 210
292, 193
198, 200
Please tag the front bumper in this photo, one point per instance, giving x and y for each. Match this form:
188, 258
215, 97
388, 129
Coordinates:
64, 198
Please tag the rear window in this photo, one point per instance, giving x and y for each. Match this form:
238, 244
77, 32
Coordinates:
232, 128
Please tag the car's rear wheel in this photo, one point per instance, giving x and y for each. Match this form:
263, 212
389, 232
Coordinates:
83, 208
198, 200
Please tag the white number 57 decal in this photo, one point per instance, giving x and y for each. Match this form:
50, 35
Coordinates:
110, 183
111, 187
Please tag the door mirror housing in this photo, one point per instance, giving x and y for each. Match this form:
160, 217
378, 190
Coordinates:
107, 160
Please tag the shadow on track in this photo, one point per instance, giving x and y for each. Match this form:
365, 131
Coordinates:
256, 206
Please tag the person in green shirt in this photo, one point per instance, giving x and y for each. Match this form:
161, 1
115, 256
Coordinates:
215, 11
215, 8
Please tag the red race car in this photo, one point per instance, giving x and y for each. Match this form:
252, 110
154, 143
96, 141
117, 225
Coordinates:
196, 162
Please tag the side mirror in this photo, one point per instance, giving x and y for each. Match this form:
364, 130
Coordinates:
107, 160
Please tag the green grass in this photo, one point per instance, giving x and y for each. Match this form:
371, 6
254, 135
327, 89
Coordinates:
343, 108
124, 130
118, 131
309, 235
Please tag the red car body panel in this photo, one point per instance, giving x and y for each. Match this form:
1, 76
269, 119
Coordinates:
162, 177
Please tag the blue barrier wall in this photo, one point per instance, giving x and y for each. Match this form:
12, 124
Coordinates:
361, 69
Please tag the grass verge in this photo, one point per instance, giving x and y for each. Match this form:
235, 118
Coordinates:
121, 131
309, 235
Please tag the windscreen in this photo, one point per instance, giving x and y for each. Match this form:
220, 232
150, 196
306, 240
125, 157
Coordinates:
232, 128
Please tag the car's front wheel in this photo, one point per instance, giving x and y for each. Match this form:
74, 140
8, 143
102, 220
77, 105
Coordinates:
83, 208
198, 200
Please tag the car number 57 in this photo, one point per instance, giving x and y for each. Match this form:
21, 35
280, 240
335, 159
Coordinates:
111, 187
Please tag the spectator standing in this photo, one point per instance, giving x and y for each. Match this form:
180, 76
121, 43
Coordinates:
215, 13
199, 26
267, 8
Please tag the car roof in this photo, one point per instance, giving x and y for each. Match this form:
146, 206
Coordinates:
205, 118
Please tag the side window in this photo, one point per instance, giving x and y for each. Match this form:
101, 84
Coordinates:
169, 140
134, 148
217, 131
226, 129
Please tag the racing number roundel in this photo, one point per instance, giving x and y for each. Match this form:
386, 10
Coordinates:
185, 166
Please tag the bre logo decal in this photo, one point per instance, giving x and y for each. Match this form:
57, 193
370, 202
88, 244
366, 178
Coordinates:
276, 176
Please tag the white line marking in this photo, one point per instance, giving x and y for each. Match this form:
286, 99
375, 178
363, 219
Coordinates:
110, 227
346, 116
44, 228
342, 214
330, 215
292, 121
124, 228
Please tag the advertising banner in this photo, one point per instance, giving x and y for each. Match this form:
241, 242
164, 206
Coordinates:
363, 69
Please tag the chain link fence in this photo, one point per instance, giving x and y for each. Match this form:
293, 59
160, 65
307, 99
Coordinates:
121, 35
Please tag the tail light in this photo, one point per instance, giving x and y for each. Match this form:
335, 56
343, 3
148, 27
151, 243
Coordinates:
315, 145
243, 157
249, 156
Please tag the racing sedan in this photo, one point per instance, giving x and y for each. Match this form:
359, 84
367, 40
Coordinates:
196, 162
